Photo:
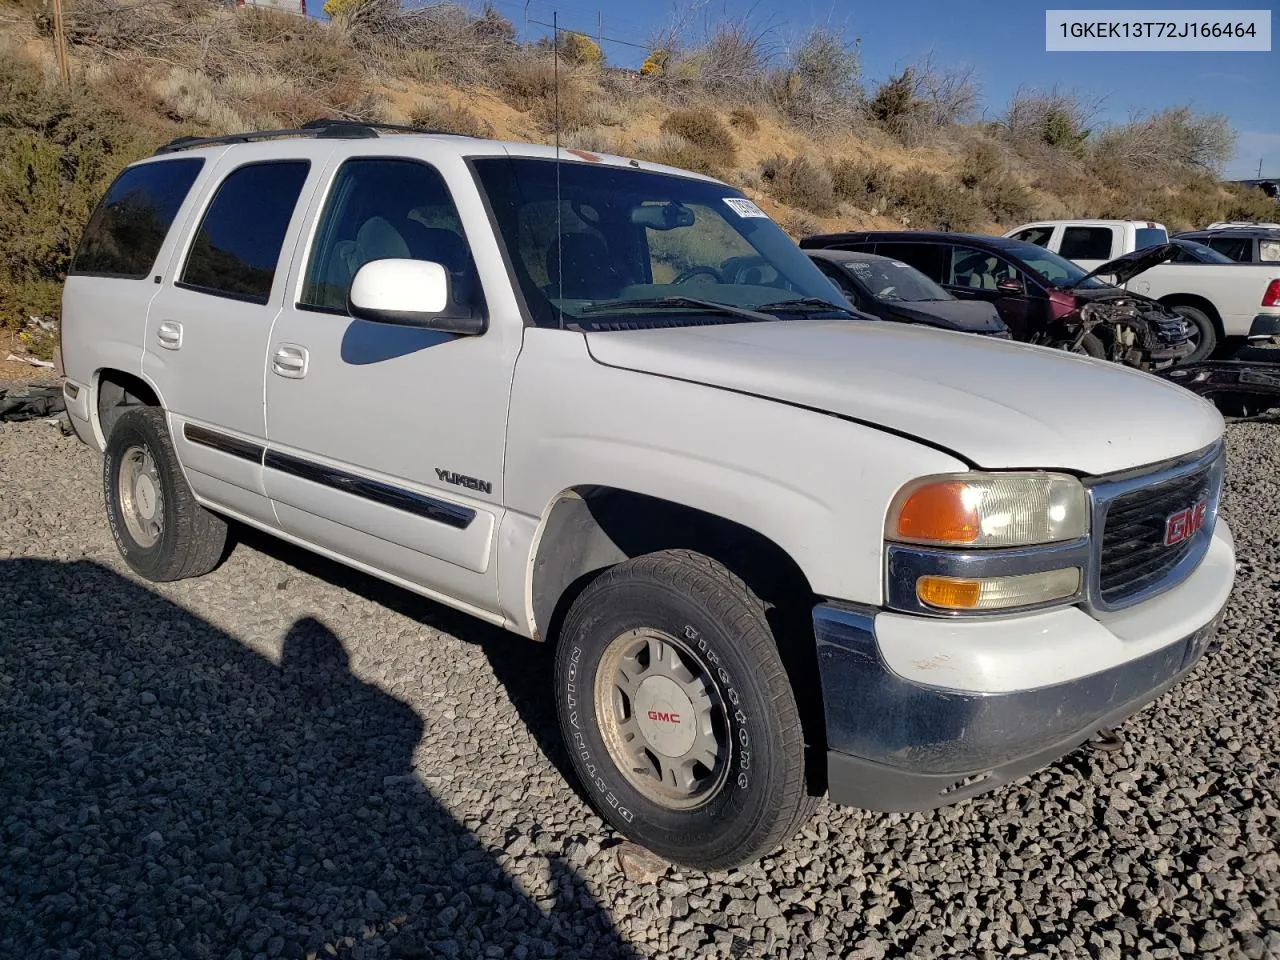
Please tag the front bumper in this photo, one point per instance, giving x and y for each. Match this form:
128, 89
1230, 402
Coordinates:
1000, 706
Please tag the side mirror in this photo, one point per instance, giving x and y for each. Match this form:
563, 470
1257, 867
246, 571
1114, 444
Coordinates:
1009, 286
410, 293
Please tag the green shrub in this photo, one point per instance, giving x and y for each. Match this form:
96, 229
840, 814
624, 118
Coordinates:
799, 182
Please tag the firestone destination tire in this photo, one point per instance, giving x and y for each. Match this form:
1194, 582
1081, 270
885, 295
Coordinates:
678, 714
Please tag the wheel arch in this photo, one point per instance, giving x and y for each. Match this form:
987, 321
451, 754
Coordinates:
115, 390
588, 529
1200, 303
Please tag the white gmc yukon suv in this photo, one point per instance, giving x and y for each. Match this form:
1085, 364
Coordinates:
610, 406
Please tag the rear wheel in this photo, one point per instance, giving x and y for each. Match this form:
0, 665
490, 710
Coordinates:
159, 528
678, 714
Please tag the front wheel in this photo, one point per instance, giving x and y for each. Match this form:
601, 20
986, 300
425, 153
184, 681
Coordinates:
678, 714
1204, 336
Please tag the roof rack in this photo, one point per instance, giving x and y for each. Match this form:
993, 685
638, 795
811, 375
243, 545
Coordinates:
321, 129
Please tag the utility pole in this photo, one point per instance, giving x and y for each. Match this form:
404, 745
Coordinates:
60, 44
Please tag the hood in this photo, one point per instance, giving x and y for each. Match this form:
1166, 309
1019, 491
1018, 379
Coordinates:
996, 403
971, 316
1130, 265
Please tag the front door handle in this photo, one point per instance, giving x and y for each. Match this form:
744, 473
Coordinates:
169, 333
290, 360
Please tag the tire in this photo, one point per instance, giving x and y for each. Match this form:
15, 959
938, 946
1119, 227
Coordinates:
704, 623
1205, 331
161, 531
1091, 346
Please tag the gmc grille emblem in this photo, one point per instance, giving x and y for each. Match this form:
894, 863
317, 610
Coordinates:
1183, 524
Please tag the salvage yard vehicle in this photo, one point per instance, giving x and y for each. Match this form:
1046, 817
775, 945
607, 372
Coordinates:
610, 406
1224, 301
1042, 298
892, 290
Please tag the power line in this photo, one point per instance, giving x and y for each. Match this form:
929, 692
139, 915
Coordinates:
589, 35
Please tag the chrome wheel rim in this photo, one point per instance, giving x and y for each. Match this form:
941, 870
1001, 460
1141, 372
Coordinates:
141, 497
664, 722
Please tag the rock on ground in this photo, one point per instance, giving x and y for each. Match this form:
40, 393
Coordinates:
287, 759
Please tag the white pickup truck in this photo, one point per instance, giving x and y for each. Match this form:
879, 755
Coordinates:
608, 405
1223, 299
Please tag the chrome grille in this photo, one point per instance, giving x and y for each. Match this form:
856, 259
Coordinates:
1132, 560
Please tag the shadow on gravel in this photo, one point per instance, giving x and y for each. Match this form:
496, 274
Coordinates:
523, 668
167, 792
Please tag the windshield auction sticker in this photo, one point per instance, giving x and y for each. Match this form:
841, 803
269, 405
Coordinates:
744, 208
1154, 30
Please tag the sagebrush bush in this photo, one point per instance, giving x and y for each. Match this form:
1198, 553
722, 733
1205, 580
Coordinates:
704, 130
799, 182
676, 151
449, 118
744, 120
931, 200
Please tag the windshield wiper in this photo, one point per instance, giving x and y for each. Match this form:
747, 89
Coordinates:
816, 303
679, 303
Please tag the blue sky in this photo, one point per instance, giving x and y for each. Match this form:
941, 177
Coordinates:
1003, 40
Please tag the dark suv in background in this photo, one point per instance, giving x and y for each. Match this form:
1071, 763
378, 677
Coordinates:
1242, 244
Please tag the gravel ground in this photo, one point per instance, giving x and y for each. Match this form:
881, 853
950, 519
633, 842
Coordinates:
286, 759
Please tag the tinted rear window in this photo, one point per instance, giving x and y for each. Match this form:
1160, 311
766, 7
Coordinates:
237, 247
1145, 237
125, 233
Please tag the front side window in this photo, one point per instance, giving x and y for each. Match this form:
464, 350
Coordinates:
1050, 267
125, 233
237, 248
982, 270
384, 208
599, 244
1086, 243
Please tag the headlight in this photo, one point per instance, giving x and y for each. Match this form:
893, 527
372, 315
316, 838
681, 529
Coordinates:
989, 510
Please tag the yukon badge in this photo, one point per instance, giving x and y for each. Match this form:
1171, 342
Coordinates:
1183, 524
458, 480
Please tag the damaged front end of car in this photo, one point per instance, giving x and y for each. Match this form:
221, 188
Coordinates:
1136, 332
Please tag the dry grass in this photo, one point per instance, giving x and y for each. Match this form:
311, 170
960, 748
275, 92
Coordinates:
449, 118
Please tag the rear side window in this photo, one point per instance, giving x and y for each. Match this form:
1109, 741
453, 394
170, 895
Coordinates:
929, 258
1237, 248
1145, 237
237, 247
126, 231
1086, 243
1040, 236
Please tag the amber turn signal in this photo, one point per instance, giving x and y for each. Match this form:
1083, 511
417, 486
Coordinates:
941, 513
998, 593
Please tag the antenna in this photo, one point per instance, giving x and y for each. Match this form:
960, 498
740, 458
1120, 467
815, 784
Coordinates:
1260, 159
555, 61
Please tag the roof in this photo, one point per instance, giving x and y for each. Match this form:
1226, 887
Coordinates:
1241, 231
321, 137
825, 240
847, 255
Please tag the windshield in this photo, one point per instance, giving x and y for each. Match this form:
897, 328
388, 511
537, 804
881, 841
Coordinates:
1051, 267
626, 243
887, 279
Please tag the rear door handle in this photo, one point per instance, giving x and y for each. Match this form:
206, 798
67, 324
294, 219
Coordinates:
169, 333
290, 360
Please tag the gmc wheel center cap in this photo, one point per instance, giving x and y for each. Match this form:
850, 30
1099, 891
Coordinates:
664, 714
